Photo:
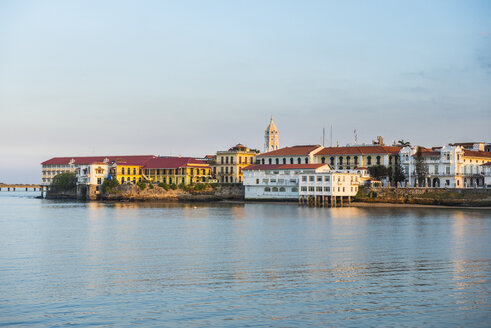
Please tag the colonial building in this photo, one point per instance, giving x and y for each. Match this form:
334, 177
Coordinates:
349, 158
176, 170
277, 181
486, 172
290, 155
228, 165
90, 177
330, 183
271, 137
451, 166
124, 168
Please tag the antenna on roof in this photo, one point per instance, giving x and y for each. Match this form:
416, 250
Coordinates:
331, 135
356, 137
323, 136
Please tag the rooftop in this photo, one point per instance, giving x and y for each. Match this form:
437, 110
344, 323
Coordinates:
359, 150
302, 150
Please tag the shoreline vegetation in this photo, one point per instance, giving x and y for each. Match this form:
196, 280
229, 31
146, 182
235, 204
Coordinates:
366, 197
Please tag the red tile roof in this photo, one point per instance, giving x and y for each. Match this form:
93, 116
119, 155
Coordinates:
473, 153
292, 151
174, 162
136, 160
486, 164
430, 153
359, 150
283, 166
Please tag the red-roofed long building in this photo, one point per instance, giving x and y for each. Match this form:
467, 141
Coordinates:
177, 170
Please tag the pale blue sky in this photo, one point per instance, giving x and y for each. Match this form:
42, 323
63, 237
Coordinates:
191, 77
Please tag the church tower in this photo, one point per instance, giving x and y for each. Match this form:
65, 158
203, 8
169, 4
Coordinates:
271, 137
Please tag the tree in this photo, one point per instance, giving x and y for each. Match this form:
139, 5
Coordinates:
398, 174
420, 166
64, 181
404, 143
378, 172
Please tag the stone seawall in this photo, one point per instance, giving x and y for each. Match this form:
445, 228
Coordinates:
426, 196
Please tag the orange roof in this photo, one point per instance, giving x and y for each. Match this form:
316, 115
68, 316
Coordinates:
283, 166
137, 160
486, 164
359, 150
292, 151
174, 162
473, 153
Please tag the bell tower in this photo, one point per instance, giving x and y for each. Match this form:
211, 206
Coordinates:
271, 137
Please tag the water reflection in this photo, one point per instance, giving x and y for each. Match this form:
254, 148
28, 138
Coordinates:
232, 264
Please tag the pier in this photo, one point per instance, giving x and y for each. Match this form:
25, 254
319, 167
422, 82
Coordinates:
24, 187
324, 201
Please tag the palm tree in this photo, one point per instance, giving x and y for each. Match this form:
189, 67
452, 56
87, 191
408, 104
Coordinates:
403, 143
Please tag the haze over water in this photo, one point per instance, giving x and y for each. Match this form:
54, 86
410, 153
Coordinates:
236, 265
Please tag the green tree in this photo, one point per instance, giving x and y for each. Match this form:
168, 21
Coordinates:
420, 166
404, 143
378, 172
108, 186
64, 181
398, 174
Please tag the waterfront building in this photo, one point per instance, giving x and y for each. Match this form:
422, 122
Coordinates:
90, 177
177, 170
277, 181
352, 157
228, 165
271, 137
486, 172
124, 168
451, 166
330, 183
303, 154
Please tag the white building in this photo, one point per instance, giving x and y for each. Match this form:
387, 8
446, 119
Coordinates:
271, 137
486, 172
280, 182
329, 184
92, 174
451, 166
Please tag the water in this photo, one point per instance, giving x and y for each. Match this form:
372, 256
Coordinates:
236, 265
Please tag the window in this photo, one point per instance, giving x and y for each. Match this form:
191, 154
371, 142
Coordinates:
332, 161
323, 160
134, 171
231, 169
319, 179
311, 178
356, 160
122, 171
284, 160
282, 189
304, 178
265, 181
318, 189
306, 160
122, 180
277, 161
348, 160
231, 160
221, 160
270, 161
303, 188
378, 160
272, 180
293, 181
311, 188
99, 180
240, 160
340, 161
291, 160
257, 181
226, 170
262, 161
299, 161
343, 189
295, 189
275, 189
326, 178
369, 160
326, 188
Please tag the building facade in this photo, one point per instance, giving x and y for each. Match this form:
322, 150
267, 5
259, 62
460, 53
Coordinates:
446, 167
277, 182
329, 184
177, 170
290, 155
228, 165
271, 137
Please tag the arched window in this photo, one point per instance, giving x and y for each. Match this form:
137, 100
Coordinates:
306, 160
267, 189
284, 160
356, 160
341, 160
348, 160
122, 180
262, 161
332, 161
378, 160
134, 171
294, 189
277, 161
282, 189
369, 160
270, 161
122, 171
275, 189
291, 160
323, 160
299, 161
390, 159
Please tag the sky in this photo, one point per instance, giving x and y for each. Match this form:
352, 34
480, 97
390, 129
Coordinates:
81, 78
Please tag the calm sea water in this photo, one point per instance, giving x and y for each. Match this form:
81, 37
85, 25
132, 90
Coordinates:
236, 265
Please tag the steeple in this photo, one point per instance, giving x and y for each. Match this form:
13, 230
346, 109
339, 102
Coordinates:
271, 137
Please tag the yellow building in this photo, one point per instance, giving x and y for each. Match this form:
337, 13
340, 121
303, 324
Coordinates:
176, 170
128, 168
228, 165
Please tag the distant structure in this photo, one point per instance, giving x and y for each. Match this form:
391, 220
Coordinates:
271, 137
